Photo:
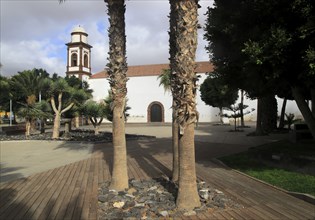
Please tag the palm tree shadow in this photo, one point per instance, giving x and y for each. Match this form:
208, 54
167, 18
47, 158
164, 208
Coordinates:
149, 154
9, 204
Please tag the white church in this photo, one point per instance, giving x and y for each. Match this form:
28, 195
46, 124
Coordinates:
148, 101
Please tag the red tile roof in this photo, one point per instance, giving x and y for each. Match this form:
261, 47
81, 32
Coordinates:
154, 70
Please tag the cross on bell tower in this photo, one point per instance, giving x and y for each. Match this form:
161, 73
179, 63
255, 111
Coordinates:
79, 55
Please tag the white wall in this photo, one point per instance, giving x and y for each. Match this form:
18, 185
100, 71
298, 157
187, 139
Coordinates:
144, 90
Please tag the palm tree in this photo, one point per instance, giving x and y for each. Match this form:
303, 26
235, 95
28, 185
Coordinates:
109, 107
166, 80
26, 86
183, 70
33, 110
117, 68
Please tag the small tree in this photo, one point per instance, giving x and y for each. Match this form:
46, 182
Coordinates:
76, 83
216, 93
33, 110
290, 120
109, 107
236, 112
62, 99
95, 112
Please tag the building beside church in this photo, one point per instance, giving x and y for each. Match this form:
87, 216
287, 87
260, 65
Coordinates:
148, 101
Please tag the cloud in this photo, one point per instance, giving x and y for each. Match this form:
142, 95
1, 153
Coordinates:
34, 33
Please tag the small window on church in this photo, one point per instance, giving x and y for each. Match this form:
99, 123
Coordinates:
86, 60
74, 59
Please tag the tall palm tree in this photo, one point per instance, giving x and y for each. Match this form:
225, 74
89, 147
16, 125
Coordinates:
166, 81
117, 68
183, 70
26, 86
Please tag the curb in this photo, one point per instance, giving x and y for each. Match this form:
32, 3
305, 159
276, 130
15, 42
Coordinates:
303, 196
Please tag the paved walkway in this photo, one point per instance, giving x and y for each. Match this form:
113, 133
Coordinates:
20, 159
70, 191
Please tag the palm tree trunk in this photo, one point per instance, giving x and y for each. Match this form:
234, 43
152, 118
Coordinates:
305, 110
185, 78
187, 197
175, 126
242, 109
281, 120
27, 128
57, 111
77, 122
117, 72
221, 115
96, 129
42, 125
259, 129
175, 146
269, 113
56, 126
68, 122
313, 101
119, 173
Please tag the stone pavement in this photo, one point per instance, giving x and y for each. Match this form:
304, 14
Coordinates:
23, 158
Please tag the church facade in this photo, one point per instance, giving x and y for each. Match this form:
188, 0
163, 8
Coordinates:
148, 100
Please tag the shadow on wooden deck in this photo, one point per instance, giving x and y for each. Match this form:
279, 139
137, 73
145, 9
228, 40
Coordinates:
70, 191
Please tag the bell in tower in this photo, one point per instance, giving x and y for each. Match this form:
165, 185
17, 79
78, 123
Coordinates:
79, 55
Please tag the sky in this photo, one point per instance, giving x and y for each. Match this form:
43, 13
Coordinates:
33, 33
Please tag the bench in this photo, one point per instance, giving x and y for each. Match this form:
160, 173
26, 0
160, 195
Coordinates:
13, 130
302, 132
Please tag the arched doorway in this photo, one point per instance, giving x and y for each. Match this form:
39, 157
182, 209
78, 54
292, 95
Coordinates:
156, 112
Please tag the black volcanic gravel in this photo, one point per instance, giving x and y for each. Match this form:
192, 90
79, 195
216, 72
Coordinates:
74, 135
150, 199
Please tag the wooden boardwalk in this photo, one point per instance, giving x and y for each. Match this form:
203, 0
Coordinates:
70, 192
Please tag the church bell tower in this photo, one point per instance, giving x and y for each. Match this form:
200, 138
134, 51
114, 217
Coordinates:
79, 55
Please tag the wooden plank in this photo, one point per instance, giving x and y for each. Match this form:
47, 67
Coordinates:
17, 195
88, 192
8, 190
100, 171
286, 212
131, 169
68, 197
229, 215
48, 199
51, 207
80, 201
33, 196
107, 171
236, 214
17, 203
62, 192
261, 213
248, 214
140, 173
144, 168
93, 214
219, 215
139, 165
76, 192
